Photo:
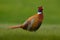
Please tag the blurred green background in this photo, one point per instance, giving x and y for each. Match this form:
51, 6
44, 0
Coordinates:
17, 11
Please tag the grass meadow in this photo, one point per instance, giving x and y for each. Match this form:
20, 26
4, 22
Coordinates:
13, 12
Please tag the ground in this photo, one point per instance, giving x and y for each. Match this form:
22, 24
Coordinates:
45, 32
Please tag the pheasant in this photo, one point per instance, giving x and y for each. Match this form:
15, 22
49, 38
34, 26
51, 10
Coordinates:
33, 22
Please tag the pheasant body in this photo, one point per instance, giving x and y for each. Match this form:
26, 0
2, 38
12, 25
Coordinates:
33, 22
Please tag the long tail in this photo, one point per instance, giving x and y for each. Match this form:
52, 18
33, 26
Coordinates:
17, 26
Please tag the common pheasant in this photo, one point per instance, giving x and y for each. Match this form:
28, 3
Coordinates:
33, 22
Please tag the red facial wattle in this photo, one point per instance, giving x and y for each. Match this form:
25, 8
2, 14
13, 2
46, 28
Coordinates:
40, 9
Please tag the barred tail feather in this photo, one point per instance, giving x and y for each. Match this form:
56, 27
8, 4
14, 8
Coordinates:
16, 26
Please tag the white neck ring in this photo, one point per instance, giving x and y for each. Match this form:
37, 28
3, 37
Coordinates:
39, 12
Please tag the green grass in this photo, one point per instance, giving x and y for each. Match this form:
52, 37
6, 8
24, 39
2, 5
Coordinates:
46, 32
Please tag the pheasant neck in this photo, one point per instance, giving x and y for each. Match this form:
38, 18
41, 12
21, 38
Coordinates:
39, 12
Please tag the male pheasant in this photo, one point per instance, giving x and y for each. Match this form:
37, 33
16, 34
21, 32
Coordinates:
33, 22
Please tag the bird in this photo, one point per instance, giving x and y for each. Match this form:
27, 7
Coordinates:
33, 23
